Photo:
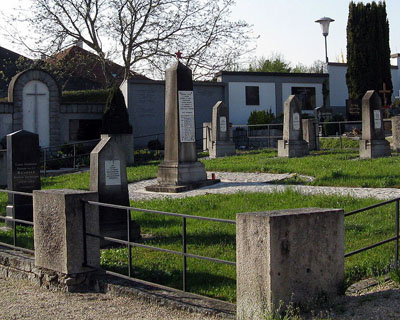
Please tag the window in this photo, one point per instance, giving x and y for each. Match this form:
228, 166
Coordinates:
306, 96
252, 96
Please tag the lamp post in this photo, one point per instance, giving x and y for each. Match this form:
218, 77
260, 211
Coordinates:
324, 22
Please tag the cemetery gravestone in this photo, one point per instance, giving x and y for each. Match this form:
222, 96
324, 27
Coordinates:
396, 133
180, 170
310, 134
292, 144
23, 163
373, 143
108, 178
222, 144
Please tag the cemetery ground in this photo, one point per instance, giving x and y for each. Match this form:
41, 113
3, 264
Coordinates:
329, 168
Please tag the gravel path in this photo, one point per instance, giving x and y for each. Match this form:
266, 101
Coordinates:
20, 299
232, 182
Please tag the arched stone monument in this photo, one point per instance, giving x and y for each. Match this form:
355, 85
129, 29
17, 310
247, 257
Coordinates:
36, 98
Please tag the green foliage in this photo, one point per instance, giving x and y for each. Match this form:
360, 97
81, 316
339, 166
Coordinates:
368, 51
115, 117
85, 96
260, 117
334, 143
275, 63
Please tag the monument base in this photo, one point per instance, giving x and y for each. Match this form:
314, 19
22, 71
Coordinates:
181, 188
374, 149
174, 173
222, 149
176, 177
292, 149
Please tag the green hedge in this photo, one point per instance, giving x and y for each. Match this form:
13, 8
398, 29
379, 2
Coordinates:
85, 96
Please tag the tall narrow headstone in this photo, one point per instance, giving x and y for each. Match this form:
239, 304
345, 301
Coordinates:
23, 163
180, 170
310, 134
206, 136
292, 145
396, 133
222, 144
373, 143
108, 178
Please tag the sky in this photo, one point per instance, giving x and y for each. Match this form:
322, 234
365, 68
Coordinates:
288, 28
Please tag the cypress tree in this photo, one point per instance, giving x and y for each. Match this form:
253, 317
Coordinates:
368, 51
115, 117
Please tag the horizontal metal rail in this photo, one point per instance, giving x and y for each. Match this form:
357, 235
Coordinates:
140, 245
16, 220
17, 192
371, 207
179, 215
371, 246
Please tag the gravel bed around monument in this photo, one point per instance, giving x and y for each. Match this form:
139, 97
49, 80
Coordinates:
233, 182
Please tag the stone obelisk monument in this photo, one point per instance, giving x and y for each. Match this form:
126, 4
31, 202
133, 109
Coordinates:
180, 170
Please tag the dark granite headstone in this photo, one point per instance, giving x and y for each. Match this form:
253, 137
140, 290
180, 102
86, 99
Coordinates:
180, 170
23, 163
373, 143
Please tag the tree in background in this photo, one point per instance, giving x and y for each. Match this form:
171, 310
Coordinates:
277, 63
140, 34
368, 51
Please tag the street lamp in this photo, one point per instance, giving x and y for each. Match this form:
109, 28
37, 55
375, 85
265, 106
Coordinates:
324, 22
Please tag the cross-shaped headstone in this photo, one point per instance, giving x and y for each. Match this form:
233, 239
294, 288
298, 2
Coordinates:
36, 94
384, 91
179, 54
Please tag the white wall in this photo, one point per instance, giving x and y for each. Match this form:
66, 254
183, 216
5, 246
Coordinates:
338, 87
287, 91
239, 112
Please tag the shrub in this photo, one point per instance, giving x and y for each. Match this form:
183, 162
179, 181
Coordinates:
85, 96
260, 117
115, 117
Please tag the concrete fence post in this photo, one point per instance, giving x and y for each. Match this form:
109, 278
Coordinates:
58, 231
288, 256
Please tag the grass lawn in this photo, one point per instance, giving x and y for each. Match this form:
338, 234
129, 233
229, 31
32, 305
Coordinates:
330, 168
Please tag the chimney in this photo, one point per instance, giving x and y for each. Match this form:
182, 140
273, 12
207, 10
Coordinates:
79, 43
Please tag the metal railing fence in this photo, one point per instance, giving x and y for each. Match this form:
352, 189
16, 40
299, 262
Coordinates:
183, 253
14, 223
380, 243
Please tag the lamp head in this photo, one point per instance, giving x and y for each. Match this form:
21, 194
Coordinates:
324, 22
